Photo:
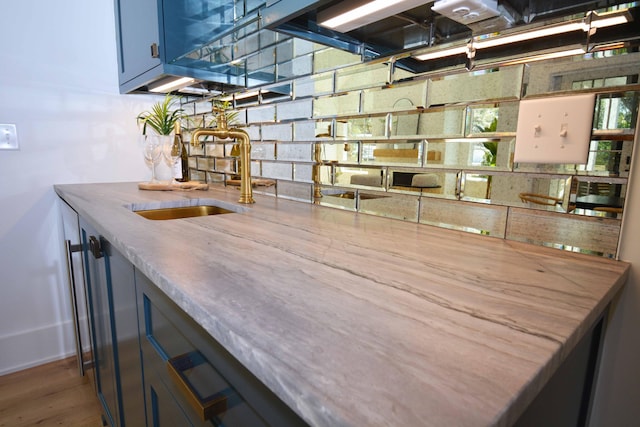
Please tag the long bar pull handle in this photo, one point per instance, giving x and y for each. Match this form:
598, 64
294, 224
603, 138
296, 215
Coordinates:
71, 280
206, 407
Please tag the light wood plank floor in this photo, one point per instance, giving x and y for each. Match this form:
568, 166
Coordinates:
49, 395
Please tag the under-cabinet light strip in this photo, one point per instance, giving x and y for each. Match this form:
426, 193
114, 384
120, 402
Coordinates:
353, 14
174, 84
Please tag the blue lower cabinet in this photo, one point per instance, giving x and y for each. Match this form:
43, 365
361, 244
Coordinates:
111, 295
189, 376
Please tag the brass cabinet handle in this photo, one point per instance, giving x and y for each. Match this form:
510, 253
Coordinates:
207, 406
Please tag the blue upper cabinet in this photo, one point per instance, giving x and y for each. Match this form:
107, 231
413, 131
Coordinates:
156, 39
138, 41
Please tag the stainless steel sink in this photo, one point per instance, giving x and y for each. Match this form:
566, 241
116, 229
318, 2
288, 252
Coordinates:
182, 212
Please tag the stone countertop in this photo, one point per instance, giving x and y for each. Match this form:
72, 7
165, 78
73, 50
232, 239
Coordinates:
360, 320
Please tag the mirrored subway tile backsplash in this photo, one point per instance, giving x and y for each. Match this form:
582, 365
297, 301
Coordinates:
438, 149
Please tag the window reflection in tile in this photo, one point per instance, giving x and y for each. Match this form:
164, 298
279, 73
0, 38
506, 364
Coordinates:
496, 118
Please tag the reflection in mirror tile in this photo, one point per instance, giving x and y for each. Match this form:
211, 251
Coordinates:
326, 173
574, 233
316, 85
405, 97
608, 158
366, 127
339, 153
470, 153
323, 129
546, 192
404, 124
493, 83
263, 151
428, 183
329, 58
277, 93
302, 152
337, 198
369, 177
339, 105
291, 190
574, 73
596, 196
401, 153
441, 123
470, 217
617, 110
361, 76
399, 206
497, 118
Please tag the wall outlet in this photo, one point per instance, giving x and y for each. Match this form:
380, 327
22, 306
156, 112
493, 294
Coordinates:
9, 137
555, 130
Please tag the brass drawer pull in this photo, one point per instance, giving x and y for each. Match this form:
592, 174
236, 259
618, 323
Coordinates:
215, 404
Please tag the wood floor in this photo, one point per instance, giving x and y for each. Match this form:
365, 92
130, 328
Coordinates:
49, 395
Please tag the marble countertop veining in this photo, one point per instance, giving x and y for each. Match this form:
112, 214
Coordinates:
360, 320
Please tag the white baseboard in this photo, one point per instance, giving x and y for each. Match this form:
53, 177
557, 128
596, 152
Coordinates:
34, 347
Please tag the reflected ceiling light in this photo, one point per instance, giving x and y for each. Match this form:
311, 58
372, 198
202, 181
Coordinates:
345, 17
172, 84
245, 95
548, 55
483, 42
593, 22
601, 20
442, 53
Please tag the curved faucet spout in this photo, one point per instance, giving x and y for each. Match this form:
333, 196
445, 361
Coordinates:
246, 192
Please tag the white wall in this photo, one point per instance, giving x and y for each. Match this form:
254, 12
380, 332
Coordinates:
58, 84
618, 390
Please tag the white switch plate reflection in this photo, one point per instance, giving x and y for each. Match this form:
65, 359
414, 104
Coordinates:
555, 130
9, 137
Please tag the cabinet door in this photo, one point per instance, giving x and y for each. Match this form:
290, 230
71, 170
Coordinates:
137, 30
125, 320
112, 295
102, 328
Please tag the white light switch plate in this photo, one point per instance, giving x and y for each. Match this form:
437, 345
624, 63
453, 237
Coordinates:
9, 137
555, 130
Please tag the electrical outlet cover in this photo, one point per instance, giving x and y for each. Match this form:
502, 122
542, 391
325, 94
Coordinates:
555, 130
8, 137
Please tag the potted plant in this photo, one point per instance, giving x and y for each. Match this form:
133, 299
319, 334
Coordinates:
162, 117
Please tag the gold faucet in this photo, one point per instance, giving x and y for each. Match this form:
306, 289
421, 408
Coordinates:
221, 131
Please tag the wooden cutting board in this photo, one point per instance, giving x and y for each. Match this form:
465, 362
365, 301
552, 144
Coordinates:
167, 186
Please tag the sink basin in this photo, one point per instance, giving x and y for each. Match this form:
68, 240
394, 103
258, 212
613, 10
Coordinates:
182, 212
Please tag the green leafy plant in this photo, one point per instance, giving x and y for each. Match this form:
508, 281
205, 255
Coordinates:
223, 107
491, 147
162, 117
